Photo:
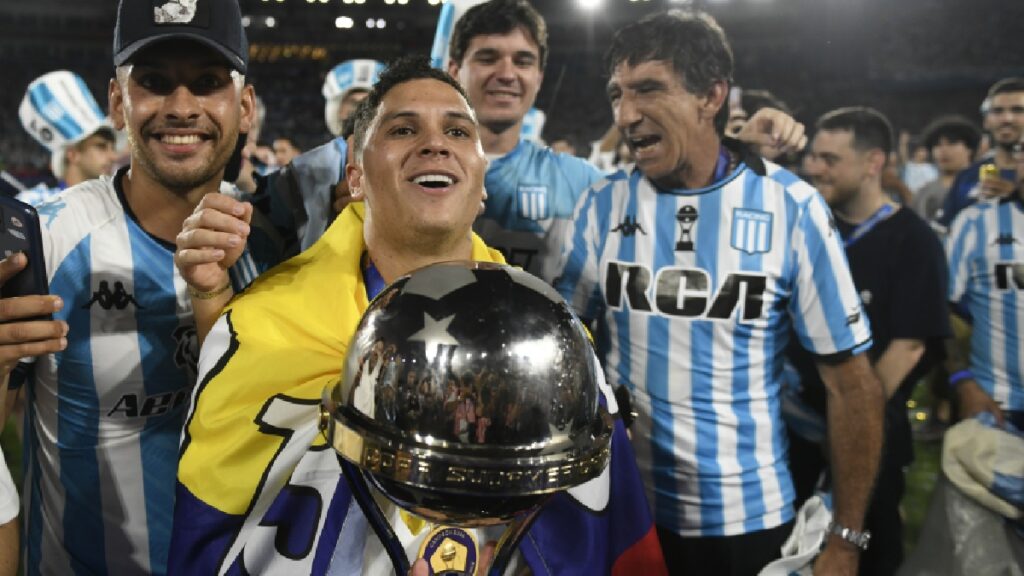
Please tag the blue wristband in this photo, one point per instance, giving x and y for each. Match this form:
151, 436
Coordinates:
960, 376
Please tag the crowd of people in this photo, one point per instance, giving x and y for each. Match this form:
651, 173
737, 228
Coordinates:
763, 303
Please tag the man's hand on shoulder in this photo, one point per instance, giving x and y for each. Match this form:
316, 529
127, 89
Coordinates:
20, 335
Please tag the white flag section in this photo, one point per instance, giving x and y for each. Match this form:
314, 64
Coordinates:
451, 11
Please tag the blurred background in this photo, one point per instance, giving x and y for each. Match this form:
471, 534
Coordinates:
911, 59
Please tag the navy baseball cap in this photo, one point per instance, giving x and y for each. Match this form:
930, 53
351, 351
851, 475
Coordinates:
214, 23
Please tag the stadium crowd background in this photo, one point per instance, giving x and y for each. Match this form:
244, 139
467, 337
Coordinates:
913, 60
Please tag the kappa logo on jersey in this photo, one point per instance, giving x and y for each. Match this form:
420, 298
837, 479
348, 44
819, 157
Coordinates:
751, 231
179, 12
685, 292
1009, 272
50, 210
186, 349
629, 226
533, 202
108, 299
134, 406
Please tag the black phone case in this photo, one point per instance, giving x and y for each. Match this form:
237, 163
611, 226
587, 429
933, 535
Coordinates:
19, 232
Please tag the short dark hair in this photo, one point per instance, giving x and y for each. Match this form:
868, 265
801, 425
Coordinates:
1011, 84
754, 100
690, 40
870, 128
400, 71
953, 128
499, 17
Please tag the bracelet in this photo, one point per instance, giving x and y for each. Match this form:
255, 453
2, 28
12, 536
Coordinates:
960, 376
858, 539
208, 295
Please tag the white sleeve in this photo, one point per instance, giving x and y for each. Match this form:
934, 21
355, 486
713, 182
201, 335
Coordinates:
8, 494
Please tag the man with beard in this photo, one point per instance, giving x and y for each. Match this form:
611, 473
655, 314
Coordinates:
1004, 121
107, 393
899, 270
985, 249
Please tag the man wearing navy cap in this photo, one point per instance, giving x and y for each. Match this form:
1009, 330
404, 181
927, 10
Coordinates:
107, 391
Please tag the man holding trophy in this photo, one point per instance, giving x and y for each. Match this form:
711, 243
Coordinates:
259, 488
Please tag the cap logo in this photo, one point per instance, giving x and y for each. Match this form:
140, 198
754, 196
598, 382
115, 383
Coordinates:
175, 12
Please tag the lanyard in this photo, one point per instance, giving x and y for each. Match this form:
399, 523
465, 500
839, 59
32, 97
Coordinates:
373, 280
866, 226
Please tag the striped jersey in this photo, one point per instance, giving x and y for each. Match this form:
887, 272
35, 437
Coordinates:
695, 292
104, 416
531, 195
40, 193
985, 248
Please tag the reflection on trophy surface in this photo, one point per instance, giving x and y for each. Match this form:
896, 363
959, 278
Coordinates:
469, 395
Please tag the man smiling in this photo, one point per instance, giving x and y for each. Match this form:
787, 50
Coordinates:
105, 414
259, 490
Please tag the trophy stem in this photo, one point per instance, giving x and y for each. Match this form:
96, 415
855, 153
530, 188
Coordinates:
380, 525
509, 541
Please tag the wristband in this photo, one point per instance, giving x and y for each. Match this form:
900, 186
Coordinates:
208, 295
960, 376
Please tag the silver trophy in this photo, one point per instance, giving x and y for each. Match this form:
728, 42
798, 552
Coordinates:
468, 397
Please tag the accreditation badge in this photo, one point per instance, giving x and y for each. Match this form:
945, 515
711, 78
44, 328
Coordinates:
450, 551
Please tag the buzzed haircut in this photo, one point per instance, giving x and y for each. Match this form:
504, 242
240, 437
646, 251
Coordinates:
400, 71
869, 127
690, 40
499, 17
953, 128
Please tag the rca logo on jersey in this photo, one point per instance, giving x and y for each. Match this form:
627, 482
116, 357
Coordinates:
132, 406
1009, 272
685, 292
533, 202
751, 231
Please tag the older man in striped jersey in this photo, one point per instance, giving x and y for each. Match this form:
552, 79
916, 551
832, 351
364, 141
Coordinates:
695, 263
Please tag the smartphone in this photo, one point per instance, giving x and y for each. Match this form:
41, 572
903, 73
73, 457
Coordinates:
19, 232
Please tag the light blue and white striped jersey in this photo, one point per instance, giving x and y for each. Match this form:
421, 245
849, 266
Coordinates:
985, 248
39, 193
104, 416
531, 194
695, 292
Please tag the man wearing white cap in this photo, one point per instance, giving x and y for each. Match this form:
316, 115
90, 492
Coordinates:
60, 113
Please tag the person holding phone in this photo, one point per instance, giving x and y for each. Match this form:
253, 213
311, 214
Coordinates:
104, 416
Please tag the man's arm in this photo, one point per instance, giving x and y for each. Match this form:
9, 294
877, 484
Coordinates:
899, 358
855, 421
971, 398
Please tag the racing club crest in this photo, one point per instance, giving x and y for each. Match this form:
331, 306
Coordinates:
751, 231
